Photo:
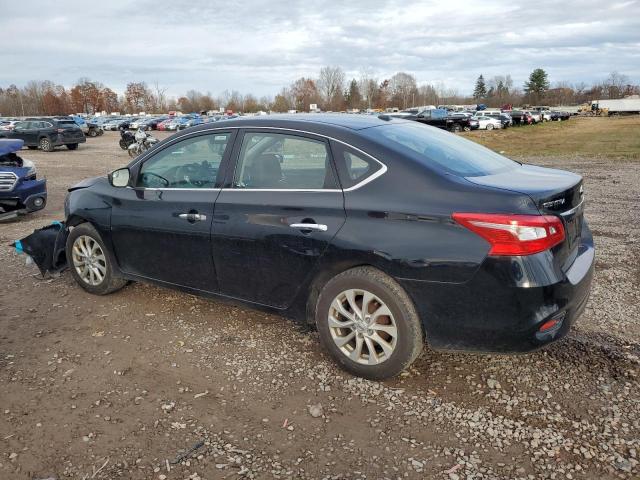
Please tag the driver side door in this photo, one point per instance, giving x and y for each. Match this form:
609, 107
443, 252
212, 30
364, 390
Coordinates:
161, 224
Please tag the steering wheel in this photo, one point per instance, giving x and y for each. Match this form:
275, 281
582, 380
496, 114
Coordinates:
185, 175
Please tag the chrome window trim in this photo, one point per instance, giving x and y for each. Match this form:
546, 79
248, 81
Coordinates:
312, 190
176, 189
363, 182
573, 210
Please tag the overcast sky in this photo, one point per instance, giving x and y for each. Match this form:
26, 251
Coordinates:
258, 46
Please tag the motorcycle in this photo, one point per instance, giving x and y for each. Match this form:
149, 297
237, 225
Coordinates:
143, 142
126, 138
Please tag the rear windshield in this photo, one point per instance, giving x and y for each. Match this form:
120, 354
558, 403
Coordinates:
440, 149
67, 124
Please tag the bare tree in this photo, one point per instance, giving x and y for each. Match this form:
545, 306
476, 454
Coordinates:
368, 86
331, 86
403, 89
614, 85
160, 97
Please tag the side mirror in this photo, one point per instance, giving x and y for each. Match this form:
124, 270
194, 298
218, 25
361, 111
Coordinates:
120, 178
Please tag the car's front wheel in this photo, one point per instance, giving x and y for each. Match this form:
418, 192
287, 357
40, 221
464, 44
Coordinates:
90, 262
368, 324
490, 126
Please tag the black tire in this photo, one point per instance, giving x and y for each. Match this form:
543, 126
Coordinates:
123, 144
72, 146
490, 126
410, 336
110, 283
32, 147
456, 128
92, 132
45, 144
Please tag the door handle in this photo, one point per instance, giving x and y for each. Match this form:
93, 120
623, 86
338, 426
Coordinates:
193, 217
318, 227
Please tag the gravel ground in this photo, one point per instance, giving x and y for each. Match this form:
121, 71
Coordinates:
124, 386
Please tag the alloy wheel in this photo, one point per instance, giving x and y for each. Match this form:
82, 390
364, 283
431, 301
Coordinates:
89, 260
362, 327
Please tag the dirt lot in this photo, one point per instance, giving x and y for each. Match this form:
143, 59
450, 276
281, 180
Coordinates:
119, 386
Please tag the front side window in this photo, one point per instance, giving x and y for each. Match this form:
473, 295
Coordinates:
281, 161
190, 163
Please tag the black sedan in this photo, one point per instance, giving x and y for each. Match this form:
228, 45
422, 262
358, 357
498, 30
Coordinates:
384, 233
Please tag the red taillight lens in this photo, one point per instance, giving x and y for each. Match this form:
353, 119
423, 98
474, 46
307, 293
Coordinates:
514, 234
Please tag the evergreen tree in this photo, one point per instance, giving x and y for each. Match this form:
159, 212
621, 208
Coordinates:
352, 95
538, 83
481, 89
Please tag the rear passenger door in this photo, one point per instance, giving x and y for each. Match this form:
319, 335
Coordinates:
279, 210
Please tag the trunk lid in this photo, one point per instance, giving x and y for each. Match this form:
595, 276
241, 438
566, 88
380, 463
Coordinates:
555, 192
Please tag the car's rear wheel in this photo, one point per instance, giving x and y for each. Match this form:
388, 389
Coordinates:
72, 146
456, 128
90, 262
489, 126
45, 145
93, 133
368, 323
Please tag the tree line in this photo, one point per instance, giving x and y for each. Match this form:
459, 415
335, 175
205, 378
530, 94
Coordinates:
331, 91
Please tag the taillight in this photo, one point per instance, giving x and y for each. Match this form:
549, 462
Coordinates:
514, 234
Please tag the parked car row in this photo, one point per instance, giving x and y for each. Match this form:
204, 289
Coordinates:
478, 119
156, 122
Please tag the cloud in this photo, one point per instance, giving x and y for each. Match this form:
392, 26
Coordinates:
259, 45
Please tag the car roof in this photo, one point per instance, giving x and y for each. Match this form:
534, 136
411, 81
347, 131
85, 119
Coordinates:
311, 122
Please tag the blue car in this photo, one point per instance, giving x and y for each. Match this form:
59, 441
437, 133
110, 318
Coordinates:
20, 190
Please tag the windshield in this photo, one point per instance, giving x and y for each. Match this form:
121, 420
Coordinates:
442, 150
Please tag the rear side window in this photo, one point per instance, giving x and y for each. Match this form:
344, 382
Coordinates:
67, 124
441, 150
353, 166
283, 162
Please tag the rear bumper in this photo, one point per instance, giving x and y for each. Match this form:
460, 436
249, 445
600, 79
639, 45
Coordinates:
502, 308
62, 140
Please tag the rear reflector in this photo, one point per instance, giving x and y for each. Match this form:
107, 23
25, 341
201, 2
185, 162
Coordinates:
514, 234
548, 325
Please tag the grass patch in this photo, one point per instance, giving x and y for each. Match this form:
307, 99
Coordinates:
617, 137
